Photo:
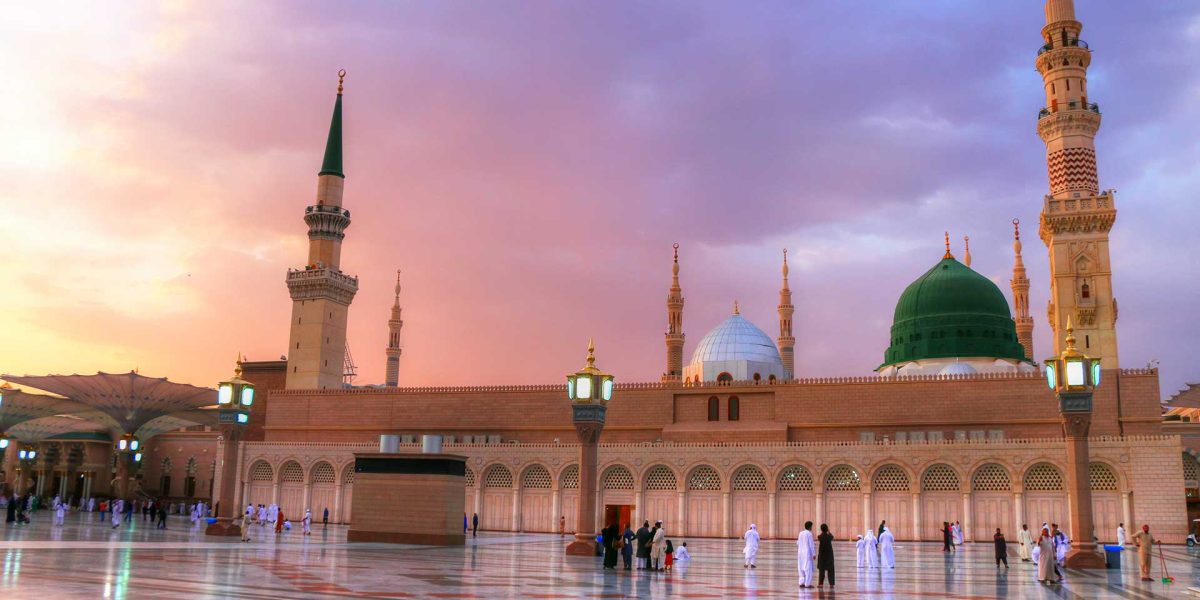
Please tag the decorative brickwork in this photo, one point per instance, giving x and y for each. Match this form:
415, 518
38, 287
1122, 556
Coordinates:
291, 472
1073, 170
536, 477
661, 478
1102, 478
1191, 469
1043, 477
991, 478
497, 476
570, 477
616, 477
469, 477
261, 471
891, 478
704, 477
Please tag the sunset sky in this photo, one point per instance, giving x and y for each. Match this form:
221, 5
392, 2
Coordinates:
529, 164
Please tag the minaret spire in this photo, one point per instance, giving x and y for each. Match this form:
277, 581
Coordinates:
321, 293
967, 251
1076, 215
786, 341
674, 336
1020, 291
392, 376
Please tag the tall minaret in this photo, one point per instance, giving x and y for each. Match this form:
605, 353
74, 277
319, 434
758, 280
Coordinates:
321, 293
675, 335
1020, 292
392, 378
1076, 216
787, 343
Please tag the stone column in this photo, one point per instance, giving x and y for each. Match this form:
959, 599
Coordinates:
10, 466
918, 535
517, 525
637, 515
1076, 424
1018, 506
683, 530
122, 480
556, 507
589, 423
726, 515
773, 518
227, 508
968, 533
819, 498
868, 522
1127, 511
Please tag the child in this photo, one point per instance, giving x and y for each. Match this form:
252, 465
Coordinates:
670, 559
682, 553
287, 525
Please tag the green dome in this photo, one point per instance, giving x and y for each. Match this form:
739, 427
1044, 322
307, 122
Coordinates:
952, 312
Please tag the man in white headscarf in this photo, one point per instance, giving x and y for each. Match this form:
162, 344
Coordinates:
886, 551
806, 553
860, 547
872, 554
60, 510
750, 552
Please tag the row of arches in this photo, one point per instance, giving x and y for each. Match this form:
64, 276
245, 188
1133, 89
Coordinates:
321, 487
704, 502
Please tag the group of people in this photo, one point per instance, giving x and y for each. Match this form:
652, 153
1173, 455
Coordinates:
272, 514
876, 551
952, 536
649, 545
19, 509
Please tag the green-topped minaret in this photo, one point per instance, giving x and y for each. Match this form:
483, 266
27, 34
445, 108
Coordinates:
321, 293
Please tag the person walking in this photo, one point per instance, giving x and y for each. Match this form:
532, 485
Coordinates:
1001, 548
608, 539
825, 557
1026, 540
117, 508
806, 550
245, 521
1046, 569
658, 545
947, 537
1121, 535
325, 520
627, 542
1145, 544
60, 511
306, 522
562, 525
750, 551
474, 524
887, 552
162, 515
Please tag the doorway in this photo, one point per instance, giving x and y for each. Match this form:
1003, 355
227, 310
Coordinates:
620, 514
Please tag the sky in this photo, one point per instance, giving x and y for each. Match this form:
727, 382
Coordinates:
528, 165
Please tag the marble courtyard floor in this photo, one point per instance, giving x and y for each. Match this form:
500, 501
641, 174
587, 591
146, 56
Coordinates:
88, 559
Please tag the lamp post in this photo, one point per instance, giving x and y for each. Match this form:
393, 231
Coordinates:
27, 456
1073, 376
129, 453
589, 390
234, 399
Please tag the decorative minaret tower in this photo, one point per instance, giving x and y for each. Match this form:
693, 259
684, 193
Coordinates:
1020, 291
392, 378
787, 343
1076, 216
321, 293
675, 335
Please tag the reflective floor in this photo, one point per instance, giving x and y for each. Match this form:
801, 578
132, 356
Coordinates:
88, 559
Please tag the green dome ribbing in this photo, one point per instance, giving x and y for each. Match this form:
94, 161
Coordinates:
952, 312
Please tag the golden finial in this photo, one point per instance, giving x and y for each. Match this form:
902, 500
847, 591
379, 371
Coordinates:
237, 370
1017, 237
948, 255
675, 266
397, 286
1070, 336
341, 77
967, 254
591, 359
735, 308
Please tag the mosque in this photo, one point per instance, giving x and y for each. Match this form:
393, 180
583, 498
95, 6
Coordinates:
956, 424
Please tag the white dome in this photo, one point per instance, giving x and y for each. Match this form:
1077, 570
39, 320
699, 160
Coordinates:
958, 368
736, 339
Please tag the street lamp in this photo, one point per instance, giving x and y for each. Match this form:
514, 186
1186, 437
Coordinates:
3, 441
1074, 376
234, 398
130, 446
589, 390
27, 454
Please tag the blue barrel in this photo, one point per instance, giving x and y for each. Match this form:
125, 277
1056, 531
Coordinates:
1112, 556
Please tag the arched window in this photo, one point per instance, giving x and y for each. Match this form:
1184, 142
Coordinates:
261, 471
322, 472
291, 472
1102, 477
770, 379
940, 478
891, 478
497, 476
724, 379
536, 477
714, 409
749, 479
757, 378
1191, 468
616, 477
842, 478
1043, 477
661, 478
735, 408
470, 477
1085, 291
795, 478
991, 478
570, 477
704, 478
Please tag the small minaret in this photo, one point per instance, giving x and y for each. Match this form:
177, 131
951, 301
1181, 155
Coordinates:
392, 378
1020, 291
967, 251
321, 293
675, 335
787, 342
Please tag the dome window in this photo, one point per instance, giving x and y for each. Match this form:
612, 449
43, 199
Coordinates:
724, 379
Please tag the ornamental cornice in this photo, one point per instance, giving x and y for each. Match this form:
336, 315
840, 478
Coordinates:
1068, 122
311, 284
1091, 222
1074, 54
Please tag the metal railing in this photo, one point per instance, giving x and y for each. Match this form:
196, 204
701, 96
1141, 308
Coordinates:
1076, 43
1075, 105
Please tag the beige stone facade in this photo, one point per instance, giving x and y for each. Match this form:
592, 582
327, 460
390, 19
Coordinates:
717, 490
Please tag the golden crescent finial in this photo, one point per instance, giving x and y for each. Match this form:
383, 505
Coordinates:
947, 255
341, 77
676, 247
591, 359
1016, 228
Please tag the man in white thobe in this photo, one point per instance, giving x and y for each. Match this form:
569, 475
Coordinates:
872, 553
1121, 534
887, 552
60, 510
91, 504
860, 547
307, 521
806, 552
118, 507
1026, 540
750, 552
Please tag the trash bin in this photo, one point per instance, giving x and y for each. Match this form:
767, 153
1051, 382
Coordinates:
1112, 556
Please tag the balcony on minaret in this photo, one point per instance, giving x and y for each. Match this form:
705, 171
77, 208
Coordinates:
326, 221
320, 281
1070, 43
